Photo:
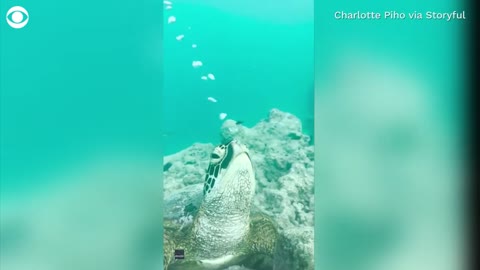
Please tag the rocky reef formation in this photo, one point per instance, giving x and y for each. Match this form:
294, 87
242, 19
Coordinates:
282, 157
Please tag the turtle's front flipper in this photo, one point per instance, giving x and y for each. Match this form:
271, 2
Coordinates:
176, 238
262, 241
169, 232
263, 235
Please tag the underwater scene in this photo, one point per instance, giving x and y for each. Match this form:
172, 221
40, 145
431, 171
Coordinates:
238, 172
179, 134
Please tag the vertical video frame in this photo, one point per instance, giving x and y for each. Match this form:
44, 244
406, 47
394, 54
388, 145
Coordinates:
238, 172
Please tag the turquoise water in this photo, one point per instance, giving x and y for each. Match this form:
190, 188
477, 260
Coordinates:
74, 87
260, 61
385, 167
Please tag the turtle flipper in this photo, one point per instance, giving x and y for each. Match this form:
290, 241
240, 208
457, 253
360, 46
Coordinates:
169, 231
263, 235
176, 237
267, 246
262, 241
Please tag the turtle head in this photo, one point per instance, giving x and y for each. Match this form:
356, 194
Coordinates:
230, 171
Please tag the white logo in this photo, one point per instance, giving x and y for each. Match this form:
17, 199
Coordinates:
17, 17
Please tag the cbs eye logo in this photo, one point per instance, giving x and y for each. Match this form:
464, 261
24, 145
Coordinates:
17, 17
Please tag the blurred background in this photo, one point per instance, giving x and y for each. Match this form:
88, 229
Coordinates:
389, 137
80, 136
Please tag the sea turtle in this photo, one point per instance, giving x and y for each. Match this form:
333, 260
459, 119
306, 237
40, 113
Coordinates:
224, 231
